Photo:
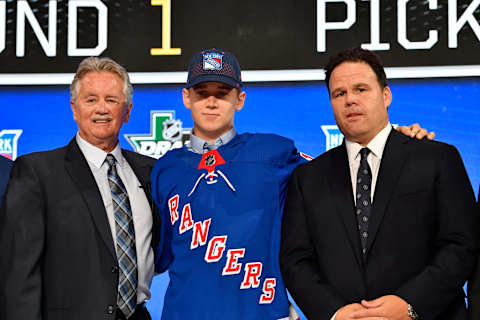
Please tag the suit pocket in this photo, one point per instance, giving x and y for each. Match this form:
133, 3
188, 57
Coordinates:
57, 314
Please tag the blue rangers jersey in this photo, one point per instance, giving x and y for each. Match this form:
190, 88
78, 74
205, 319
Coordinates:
221, 220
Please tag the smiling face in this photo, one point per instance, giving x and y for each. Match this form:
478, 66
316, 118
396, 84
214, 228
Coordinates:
358, 101
213, 106
100, 109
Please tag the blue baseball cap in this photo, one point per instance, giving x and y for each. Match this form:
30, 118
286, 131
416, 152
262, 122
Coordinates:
216, 66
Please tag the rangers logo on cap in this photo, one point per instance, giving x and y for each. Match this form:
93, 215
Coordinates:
212, 61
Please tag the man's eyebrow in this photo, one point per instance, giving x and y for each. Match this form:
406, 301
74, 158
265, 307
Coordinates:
90, 94
361, 84
199, 86
338, 89
355, 85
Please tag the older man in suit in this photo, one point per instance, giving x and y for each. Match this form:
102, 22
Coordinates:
76, 237
5, 166
383, 226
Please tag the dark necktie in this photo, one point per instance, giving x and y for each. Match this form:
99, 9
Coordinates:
363, 203
126, 251
207, 147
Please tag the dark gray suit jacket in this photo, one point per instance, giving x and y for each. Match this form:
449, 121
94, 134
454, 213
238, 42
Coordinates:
57, 255
421, 243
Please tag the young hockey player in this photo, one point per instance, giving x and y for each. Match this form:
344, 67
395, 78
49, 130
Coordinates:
221, 200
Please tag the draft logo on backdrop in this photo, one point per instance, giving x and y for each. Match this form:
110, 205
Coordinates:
166, 133
8, 143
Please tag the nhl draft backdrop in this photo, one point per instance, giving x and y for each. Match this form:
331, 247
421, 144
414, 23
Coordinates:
430, 49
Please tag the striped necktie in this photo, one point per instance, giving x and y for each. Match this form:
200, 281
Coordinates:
126, 251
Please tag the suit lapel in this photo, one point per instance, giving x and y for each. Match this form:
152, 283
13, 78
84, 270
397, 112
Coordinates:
143, 175
141, 171
78, 169
393, 160
340, 182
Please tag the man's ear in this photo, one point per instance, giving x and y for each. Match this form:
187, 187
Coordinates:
74, 110
387, 96
127, 113
186, 98
241, 100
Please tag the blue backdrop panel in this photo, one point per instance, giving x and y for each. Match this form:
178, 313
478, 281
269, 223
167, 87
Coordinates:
296, 110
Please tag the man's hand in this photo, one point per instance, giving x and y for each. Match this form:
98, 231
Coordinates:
346, 312
389, 307
414, 130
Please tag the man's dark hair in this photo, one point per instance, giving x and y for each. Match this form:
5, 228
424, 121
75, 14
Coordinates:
356, 55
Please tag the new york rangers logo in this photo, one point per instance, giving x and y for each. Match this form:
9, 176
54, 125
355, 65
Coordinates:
333, 136
212, 61
8, 143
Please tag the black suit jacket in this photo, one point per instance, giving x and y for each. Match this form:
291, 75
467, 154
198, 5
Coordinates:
57, 255
5, 166
474, 284
421, 243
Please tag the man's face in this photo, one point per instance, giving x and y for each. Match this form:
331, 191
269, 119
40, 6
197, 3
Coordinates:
213, 106
359, 102
100, 109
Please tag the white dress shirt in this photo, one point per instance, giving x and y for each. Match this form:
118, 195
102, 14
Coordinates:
374, 158
142, 214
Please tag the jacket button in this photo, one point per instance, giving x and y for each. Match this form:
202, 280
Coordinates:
114, 269
110, 309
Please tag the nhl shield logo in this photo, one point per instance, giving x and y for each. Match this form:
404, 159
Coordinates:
172, 130
212, 61
210, 160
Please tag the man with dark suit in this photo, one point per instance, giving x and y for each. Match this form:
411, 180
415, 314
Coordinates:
473, 288
383, 226
76, 236
5, 166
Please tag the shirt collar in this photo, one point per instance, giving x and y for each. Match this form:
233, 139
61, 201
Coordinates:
95, 155
376, 145
196, 143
